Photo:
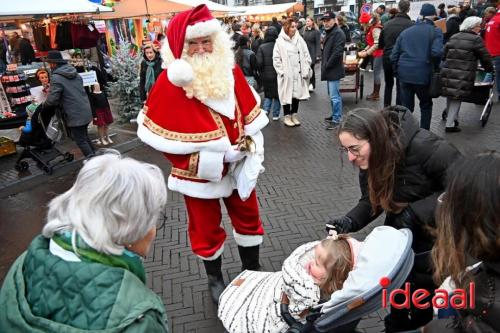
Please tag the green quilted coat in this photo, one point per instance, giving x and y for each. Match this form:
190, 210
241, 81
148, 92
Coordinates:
43, 293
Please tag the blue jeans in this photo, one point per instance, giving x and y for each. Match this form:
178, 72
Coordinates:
408, 92
335, 100
496, 62
275, 103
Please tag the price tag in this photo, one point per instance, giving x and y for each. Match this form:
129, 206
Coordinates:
89, 78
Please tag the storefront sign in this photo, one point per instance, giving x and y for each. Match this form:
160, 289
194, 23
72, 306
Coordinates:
89, 78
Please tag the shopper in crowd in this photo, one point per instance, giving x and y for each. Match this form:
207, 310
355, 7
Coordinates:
85, 272
257, 37
66, 90
488, 14
381, 12
276, 24
491, 38
402, 172
236, 34
458, 72
301, 23
453, 22
392, 14
373, 29
102, 114
341, 21
418, 49
245, 58
442, 11
332, 66
22, 50
292, 62
150, 70
268, 74
312, 38
390, 33
468, 227
466, 10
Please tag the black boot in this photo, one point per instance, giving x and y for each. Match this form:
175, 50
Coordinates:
216, 283
249, 257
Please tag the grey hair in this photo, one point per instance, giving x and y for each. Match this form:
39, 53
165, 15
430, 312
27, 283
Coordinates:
404, 6
470, 23
114, 202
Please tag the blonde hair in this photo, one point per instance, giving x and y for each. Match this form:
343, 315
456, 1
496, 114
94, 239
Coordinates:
338, 263
208, 68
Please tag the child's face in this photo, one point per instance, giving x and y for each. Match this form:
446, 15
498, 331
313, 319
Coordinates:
315, 267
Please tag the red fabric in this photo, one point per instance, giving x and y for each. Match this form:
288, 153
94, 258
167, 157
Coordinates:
370, 40
204, 221
364, 18
176, 31
82, 37
104, 117
492, 35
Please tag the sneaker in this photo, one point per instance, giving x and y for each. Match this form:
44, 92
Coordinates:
328, 119
104, 141
370, 70
276, 117
332, 125
295, 119
288, 121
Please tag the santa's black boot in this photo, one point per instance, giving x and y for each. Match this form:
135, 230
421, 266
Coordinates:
249, 257
216, 283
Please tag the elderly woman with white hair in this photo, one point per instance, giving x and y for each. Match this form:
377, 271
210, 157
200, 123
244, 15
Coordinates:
85, 272
458, 74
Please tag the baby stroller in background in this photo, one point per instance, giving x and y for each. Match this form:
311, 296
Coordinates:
38, 146
362, 292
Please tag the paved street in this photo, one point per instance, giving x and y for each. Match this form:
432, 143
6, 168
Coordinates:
305, 183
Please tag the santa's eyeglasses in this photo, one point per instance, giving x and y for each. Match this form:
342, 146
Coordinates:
203, 43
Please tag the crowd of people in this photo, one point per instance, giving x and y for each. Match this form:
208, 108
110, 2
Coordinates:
203, 112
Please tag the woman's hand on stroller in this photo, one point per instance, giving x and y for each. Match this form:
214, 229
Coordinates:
340, 225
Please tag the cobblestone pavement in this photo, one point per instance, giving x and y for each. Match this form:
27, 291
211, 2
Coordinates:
304, 185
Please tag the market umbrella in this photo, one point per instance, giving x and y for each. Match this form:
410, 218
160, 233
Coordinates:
49, 7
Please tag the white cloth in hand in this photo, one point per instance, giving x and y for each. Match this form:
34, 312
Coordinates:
233, 155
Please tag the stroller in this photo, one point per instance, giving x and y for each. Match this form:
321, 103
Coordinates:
38, 146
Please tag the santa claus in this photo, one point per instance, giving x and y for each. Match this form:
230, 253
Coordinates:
200, 113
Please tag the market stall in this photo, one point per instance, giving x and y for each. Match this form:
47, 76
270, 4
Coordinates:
266, 12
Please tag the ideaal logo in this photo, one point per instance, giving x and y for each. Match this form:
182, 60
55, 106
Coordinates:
442, 299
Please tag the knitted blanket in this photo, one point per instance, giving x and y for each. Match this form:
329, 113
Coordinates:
251, 302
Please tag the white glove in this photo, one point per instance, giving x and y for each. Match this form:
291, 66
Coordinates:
233, 155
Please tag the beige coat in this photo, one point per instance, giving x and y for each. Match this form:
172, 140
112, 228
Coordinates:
292, 63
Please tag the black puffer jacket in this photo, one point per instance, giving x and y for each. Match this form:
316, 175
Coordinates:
142, 79
420, 179
265, 64
484, 317
461, 54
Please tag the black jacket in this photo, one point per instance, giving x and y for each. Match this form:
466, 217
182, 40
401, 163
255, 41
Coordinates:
332, 61
452, 27
347, 33
26, 52
142, 79
461, 54
484, 317
420, 179
391, 31
312, 38
255, 43
265, 64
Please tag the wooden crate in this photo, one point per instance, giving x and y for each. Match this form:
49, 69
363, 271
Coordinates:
7, 146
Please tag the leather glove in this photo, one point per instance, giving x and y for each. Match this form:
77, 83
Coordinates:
405, 219
342, 225
233, 155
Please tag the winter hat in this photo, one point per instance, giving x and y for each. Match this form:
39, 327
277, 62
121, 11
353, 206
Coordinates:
193, 23
365, 18
428, 10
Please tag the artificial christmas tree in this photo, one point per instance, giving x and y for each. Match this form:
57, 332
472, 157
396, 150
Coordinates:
126, 88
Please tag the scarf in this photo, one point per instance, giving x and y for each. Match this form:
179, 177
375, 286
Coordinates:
150, 75
128, 260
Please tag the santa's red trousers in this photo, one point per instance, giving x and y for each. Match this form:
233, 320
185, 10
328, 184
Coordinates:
204, 221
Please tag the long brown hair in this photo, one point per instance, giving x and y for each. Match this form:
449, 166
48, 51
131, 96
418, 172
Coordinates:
338, 263
288, 24
381, 129
468, 218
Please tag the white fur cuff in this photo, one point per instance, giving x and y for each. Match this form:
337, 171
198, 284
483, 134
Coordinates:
202, 29
211, 165
247, 240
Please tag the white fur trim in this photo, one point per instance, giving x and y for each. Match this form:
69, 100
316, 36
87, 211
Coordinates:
257, 124
211, 165
202, 29
177, 147
180, 73
247, 240
210, 190
216, 255
225, 107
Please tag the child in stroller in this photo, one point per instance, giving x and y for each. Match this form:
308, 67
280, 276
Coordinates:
38, 146
341, 271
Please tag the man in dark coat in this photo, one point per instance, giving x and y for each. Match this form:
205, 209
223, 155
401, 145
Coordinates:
390, 33
417, 50
332, 66
66, 90
268, 74
276, 24
452, 22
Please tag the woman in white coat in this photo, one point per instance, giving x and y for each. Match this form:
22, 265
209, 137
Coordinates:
293, 65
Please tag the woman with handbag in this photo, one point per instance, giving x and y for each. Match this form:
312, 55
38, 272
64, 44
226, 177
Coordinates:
458, 74
292, 62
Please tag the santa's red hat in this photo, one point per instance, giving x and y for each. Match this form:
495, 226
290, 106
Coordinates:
193, 23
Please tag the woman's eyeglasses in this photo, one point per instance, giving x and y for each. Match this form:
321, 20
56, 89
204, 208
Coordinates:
355, 150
